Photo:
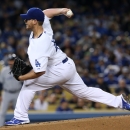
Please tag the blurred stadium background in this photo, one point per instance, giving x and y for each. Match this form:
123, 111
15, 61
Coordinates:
97, 38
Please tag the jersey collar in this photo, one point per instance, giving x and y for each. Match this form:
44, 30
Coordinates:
39, 35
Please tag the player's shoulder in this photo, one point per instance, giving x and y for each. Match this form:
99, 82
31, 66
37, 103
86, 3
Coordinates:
46, 33
47, 36
46, 21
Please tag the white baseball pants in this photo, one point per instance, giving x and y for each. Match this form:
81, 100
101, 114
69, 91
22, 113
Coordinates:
67, 76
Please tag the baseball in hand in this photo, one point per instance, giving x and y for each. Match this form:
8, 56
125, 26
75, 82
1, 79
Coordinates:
69, 13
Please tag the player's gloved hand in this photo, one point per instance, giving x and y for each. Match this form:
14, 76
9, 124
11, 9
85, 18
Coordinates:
20, 68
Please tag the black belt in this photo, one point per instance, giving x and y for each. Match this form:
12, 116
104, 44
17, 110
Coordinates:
65, 60
10, 91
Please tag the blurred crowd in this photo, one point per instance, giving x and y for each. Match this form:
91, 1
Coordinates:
97, 38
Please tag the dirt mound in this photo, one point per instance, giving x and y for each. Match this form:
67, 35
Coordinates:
100, 123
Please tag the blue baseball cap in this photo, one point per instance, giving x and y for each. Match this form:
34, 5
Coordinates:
33, 13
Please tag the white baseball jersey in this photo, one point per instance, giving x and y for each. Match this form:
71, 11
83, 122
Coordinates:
42, 51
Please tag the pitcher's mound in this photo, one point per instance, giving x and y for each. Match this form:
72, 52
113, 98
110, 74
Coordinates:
100, 123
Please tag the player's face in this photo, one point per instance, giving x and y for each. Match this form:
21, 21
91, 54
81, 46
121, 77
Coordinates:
29, 24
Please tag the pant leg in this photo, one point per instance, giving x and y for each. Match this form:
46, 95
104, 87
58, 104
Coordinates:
4, 106
24, 100
77, 87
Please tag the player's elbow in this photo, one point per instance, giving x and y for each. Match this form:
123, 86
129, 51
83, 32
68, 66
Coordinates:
48, 13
